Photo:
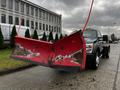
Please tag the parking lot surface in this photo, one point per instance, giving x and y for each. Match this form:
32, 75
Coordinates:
107, 77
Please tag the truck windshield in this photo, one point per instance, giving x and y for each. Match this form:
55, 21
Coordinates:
90, 34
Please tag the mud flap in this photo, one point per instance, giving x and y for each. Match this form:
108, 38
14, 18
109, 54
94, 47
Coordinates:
67, 53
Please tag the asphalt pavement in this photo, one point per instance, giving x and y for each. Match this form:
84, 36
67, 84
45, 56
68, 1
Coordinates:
107, 77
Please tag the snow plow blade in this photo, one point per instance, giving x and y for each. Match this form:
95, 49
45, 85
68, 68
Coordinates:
66, 54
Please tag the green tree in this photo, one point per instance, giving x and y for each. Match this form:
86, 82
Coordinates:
1, 39
44, 38
56, 37
35, 35
50, 37
61, 36
12, 37
27, 33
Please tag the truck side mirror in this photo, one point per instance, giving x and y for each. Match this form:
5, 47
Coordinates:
105, 38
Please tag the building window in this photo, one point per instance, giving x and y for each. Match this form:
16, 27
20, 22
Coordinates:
40, 26
50, 16
22, 22
10, 4
27, 23
36, 12
22, 7
47, 16
32, 24
58, 20
43, 27
32, 11
16, 5
43, 15
54, 19
3, 18
46, 27
59, 30
49, 28
36, 25
27, 9
52, 28
56, 29
16, 21
40, 14
3, 3
10, 20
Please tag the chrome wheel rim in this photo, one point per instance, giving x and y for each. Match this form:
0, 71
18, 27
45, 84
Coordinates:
97, 61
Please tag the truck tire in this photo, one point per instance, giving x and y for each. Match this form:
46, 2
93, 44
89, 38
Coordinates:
108, 51
107, 54
96, 61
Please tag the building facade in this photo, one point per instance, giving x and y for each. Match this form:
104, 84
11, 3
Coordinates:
26, 13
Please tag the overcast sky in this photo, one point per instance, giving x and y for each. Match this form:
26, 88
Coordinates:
105, 15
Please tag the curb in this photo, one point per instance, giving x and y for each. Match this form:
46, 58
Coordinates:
9, 71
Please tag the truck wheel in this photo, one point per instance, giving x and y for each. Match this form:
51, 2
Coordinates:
95, 61
108, 51
105, 53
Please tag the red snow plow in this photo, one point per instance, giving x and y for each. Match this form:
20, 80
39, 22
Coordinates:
66, 54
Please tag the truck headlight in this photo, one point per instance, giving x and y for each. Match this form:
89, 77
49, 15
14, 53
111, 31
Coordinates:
89, 48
